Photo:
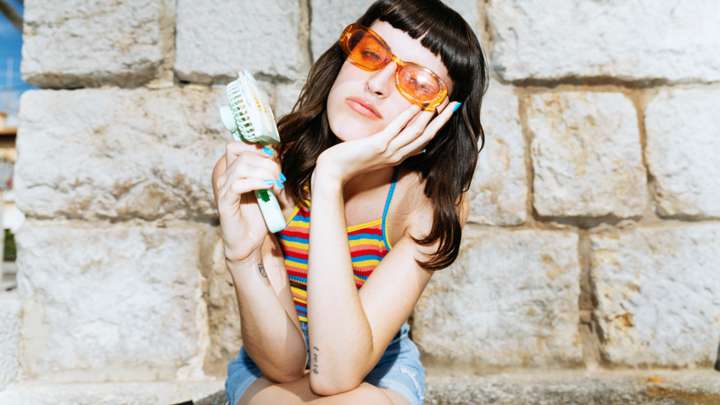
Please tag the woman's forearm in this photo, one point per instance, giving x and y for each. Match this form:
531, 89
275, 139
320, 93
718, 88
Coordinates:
270, 336
340, 336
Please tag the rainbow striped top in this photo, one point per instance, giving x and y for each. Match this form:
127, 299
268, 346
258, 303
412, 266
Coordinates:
368, 242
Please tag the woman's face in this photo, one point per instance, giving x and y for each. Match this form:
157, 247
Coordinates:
350, 121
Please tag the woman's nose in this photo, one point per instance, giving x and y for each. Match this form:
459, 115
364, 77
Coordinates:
382, 81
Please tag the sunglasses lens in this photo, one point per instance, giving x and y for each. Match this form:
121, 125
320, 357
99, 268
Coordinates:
365, 50
419, 84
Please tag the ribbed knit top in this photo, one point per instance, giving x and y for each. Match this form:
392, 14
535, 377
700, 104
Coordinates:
368, 244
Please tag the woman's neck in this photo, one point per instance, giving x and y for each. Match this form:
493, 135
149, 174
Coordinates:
367, 182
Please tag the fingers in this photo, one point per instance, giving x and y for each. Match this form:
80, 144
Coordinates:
419, 142
400, 121
251, 169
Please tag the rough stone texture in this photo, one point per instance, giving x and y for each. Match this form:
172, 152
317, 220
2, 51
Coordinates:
121, 154
658, 294
285, 96
510, 299
499, 189
586, 155
573, 387
9, 337
216, 39
77, 43
683, 145
129, 308
628, 40
328, 22
110, 393
223, 315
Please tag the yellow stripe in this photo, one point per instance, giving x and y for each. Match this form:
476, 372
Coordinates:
294, 211
387, 233
299, 245
302, 266
358, 226
299, 291
302, 318
301, 300
300, 224
364, 241
359, 280
369, 262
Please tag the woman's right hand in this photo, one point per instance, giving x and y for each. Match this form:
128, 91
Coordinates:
247, 168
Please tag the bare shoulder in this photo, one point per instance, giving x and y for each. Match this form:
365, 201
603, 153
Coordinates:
415, 211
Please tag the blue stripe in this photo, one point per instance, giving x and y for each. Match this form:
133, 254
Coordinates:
297, 278
301, 218
366, 257
293, 238
364, 236
387, 205
300, 309
296, 260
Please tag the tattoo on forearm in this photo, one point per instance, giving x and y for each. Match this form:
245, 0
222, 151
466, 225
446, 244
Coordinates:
316, 351
261, 268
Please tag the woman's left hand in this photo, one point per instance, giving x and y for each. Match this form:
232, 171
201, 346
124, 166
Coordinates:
389, 147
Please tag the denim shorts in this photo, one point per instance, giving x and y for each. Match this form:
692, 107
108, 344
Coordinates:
399, 369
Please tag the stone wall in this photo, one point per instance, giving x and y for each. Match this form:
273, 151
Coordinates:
593, 242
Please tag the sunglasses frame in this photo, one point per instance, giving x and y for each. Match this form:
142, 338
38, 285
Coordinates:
427, 105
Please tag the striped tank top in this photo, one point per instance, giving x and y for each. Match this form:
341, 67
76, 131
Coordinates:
368, 244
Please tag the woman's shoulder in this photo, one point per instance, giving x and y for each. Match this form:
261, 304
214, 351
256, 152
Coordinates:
416, 210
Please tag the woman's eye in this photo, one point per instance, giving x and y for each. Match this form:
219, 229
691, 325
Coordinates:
371, 54
422, 87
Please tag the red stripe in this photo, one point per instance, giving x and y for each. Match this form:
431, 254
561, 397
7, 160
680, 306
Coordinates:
375, 230
292, 233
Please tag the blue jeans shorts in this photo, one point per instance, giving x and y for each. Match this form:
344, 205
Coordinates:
399, 369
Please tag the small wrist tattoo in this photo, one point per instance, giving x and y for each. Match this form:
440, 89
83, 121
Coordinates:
261, 268
316, 351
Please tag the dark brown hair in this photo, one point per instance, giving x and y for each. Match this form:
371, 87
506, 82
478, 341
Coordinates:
450, 159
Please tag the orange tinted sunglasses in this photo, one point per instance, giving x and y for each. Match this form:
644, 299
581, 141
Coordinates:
368, 51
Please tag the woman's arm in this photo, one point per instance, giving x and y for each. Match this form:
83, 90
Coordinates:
339, 331
270, 329
351, 329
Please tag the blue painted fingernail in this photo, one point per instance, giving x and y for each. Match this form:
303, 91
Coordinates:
282, 177
280, 184
270, 182
268, 151
456, 106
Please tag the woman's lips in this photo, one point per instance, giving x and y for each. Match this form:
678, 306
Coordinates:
361, 109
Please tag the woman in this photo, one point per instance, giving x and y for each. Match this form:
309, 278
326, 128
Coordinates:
387, 150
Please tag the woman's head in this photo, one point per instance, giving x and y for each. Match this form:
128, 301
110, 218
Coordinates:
377, 86
423, 31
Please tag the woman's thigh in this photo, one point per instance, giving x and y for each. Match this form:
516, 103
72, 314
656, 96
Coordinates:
263, 391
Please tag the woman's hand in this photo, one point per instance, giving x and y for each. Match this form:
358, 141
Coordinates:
406, 135
248, 168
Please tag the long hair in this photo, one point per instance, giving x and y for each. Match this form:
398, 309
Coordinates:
450, 159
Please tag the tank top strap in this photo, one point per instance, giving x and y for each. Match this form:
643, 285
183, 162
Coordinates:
386, 208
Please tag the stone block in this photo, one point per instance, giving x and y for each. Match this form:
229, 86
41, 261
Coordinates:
683, 145
216, 39
119, 154
658, 295
622, 40
509, 300
105, 302
499, 190
75, 43
586, 155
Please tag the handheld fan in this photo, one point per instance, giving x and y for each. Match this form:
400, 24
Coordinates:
249, 118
